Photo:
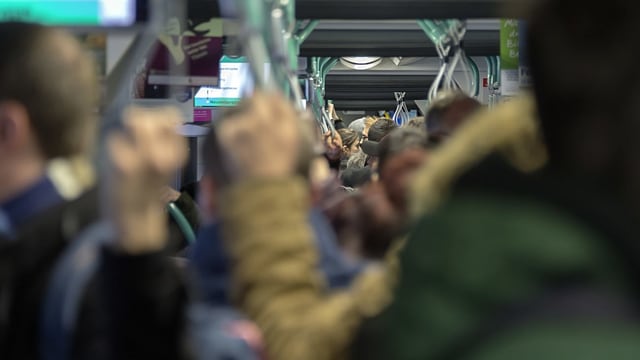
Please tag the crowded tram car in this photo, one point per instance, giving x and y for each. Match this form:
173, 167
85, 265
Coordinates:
319, 180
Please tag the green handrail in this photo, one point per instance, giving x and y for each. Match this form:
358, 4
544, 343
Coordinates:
476, 74
183, 223
304, 31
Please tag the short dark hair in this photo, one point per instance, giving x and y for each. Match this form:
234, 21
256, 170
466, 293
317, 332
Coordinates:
58, 88
419, 123
348, 136
380, 129
400, 140
449, 106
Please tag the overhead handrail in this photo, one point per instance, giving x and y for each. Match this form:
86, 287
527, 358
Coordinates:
281, 40
476, 75
493, 77
253, 36
401, 116
448, 36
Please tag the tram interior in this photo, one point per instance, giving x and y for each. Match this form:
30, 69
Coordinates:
319, 179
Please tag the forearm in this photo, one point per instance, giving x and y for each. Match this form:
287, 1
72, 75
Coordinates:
276, 280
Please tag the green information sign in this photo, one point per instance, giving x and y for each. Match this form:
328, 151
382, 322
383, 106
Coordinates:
509, 57
509, 44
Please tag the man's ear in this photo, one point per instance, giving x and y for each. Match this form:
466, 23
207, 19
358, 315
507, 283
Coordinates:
14, 125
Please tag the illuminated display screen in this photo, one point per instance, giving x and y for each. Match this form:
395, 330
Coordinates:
235, 81
107, 13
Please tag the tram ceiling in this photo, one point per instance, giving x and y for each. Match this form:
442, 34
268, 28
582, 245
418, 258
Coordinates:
408, 9
389, 43
387, 9
371, 105
356, 87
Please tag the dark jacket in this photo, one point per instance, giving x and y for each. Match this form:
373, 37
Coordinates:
212, 271
33, 255
514, 266
31, 258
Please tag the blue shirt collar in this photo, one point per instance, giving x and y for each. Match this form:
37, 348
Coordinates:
39, 197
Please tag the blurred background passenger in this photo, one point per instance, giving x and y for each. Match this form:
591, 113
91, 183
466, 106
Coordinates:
362, 125
350, 142
419, 123
380, 128
369, 221
270, 243
446, 112
401, 154
540, 266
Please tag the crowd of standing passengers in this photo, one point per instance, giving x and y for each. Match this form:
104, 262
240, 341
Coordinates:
469, 233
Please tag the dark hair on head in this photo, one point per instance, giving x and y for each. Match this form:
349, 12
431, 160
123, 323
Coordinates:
349, 137
419, 123
400, 140
444, 103
55, 81
380, 129
584, 58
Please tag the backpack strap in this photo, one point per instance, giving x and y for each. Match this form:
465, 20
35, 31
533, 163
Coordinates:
65, 291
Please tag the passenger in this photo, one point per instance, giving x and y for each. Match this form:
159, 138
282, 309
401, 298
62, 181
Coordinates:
47, 111
338, 123
369, 221
274, 262
362, 125
448, 110
48, 99
368, 123
334, 149
357, 125
511, 130
211, 267
419, 123
350, 142
357, 160
143, 294
401, 153
381, 128
358, 170
539, 266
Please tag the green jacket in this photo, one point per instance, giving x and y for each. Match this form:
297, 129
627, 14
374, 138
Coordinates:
501, 242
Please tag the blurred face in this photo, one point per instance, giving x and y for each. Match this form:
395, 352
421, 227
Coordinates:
397, 173
353, 149
455, 116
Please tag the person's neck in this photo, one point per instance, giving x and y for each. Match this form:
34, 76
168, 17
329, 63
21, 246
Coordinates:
18, 175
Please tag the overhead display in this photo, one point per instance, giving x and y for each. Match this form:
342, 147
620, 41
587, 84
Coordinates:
92, 13
235, 81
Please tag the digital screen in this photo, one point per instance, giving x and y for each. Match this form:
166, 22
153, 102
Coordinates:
235, 81
99, 13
